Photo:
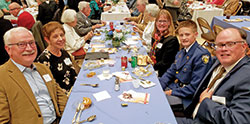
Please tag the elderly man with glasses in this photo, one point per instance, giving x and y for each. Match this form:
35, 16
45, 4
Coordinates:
25, 19
140, 21
28, 91
223, 95
85, 24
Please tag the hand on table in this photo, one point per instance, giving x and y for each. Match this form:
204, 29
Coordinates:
136, 29
98, 25
126, 19
168, 92
103, 22
25, 6
206, 94
133, 23
88, 36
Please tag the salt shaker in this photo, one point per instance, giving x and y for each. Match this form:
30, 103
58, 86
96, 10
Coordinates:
117, 84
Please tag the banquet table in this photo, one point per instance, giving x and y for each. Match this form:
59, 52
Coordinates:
219, 20
117, 12
110, 111
206, 11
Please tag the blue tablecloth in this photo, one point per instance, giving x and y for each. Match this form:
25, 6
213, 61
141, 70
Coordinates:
218, 20
110, 111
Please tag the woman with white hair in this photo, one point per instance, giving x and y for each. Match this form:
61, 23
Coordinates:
74, 43
151, 12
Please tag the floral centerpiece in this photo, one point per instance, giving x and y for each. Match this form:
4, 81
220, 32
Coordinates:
117, 36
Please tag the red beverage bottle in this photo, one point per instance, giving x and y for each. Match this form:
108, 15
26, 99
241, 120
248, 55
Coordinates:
124, 61
111, 24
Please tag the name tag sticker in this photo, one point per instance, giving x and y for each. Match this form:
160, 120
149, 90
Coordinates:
159, 45
219, 99
47, 78
67, 61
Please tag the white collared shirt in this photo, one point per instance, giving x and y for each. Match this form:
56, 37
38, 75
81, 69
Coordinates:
188, 48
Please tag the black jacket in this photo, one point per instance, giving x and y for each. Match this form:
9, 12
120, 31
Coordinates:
166, 55
46, 11
5, 26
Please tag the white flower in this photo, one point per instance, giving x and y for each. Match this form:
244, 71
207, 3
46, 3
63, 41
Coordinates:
119, 35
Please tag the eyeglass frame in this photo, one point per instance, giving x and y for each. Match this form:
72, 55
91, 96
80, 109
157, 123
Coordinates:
13, 9
32, 44
227, 45
162, 21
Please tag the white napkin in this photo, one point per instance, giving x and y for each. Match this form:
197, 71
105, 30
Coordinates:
101, 77
101, 95
124, 76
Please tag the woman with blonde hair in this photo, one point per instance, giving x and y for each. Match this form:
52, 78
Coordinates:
165, 44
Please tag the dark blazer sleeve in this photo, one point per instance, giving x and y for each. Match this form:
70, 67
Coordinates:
94, 22
198, 72
40, 13
82, 28
168, 76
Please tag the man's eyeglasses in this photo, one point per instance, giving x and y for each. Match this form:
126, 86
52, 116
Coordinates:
227, 45
13, 9
23, 45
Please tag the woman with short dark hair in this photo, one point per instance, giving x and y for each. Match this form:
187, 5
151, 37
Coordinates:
56, 58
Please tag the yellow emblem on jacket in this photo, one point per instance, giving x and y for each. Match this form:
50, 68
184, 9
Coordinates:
205, 59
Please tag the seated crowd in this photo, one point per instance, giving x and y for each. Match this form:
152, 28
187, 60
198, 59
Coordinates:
200, 88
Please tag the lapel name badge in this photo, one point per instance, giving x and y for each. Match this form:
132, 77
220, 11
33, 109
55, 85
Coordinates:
47, 78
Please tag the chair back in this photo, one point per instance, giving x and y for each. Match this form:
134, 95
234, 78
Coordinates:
217, 29
232, 7
37, 33
209, 34
238, 8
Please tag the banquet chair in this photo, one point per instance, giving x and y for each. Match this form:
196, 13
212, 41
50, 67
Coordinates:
217, 29
238, 8
232, 7
206, 30
37, 33
208, 36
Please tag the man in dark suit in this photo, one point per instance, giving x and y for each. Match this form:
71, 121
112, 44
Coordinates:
223, 96
84, 24
28, 92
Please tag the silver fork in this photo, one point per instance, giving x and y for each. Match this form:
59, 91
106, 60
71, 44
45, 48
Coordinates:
77, 110
80, 112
